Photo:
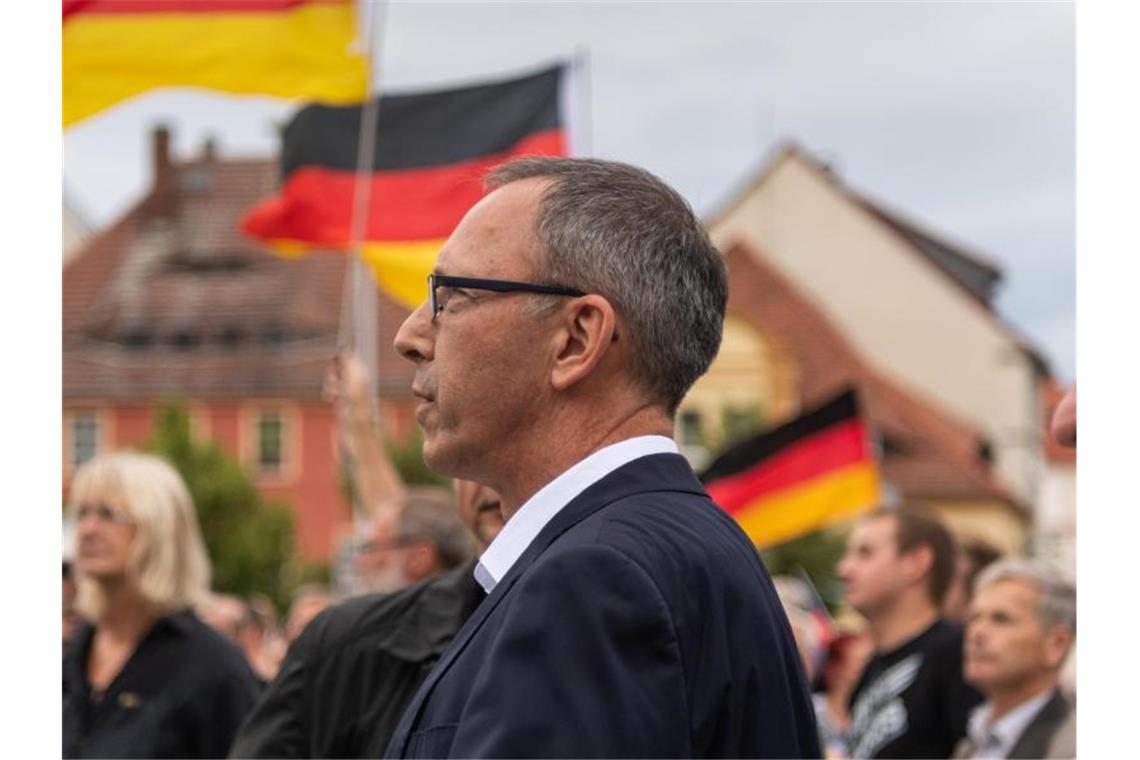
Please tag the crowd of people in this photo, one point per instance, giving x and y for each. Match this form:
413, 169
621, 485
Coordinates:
588, 600
909, 678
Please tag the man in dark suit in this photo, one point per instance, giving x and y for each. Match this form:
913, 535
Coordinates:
627, 615
1021, 626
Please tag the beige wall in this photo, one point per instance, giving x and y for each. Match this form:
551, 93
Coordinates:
749, 371
897, 309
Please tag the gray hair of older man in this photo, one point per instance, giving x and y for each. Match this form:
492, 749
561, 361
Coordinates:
1057, 602
618, 231
430, 514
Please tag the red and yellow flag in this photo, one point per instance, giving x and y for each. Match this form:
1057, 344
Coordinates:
116, 49
815, 470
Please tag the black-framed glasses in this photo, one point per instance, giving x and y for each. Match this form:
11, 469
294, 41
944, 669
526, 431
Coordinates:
437, 281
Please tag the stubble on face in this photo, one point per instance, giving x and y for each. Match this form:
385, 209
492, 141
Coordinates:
485, 376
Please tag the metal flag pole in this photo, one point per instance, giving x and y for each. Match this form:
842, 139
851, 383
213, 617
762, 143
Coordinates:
577, 103
362, 326
358, 327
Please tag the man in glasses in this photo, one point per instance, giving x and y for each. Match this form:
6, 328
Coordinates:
627, 615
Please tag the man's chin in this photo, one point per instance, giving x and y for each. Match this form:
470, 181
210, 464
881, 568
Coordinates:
442, 458
438, 458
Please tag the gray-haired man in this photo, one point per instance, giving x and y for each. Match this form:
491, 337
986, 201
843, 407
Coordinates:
627, 615
1021, 625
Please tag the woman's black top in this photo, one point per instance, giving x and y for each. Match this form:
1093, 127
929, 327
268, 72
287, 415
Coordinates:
183, 692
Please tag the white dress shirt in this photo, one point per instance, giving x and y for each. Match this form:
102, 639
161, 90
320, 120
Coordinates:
518, 533
996, 740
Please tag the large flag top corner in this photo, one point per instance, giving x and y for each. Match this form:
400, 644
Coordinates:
430, 153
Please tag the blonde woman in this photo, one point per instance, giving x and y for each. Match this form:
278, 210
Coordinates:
146, 677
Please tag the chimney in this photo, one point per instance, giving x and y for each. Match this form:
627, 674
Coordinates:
209, 151
162, 190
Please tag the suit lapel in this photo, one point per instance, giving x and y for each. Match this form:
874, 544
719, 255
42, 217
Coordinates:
657, 472
1034, 740
398, 745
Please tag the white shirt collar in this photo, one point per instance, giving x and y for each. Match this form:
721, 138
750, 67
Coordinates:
538, 510
1007, 730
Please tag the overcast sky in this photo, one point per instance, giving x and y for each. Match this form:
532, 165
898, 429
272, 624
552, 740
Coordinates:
960, 114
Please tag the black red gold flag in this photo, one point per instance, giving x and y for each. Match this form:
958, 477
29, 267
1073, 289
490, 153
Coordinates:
802, 476
431, 152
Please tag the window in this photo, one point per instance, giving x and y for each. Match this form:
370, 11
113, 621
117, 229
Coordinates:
270, 442
84, 437
739, 422
269, 439
691, 433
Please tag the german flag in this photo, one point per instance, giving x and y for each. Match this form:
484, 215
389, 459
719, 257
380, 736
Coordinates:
815, 470
431, 152
116, 49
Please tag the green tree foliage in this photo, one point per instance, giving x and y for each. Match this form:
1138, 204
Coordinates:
250, 542
817, 554
408, 457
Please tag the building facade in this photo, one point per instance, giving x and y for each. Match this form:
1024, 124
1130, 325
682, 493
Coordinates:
171, 302
918, 307
826, 291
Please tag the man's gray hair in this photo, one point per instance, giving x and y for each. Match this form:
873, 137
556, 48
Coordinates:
616, 230
430, 514
1057, 604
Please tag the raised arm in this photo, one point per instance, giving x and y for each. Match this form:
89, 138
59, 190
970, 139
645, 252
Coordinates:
377, 484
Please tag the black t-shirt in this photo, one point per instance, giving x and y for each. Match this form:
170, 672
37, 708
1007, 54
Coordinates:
182, 693
912, 702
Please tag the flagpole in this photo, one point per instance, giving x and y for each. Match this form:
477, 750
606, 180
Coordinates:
358, 327
583, 131
363, 320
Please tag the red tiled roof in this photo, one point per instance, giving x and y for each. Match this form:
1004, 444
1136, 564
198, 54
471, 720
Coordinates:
930, 453
173, 300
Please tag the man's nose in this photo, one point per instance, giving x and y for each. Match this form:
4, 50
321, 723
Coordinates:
975, 631
415, 338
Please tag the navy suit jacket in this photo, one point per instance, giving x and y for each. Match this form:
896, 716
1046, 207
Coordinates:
639, 623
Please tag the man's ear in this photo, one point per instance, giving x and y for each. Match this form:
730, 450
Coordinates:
1058, 641
918, 562
421, 559
587, 329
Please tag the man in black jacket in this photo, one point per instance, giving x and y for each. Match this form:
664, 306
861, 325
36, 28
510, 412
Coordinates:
348, 676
